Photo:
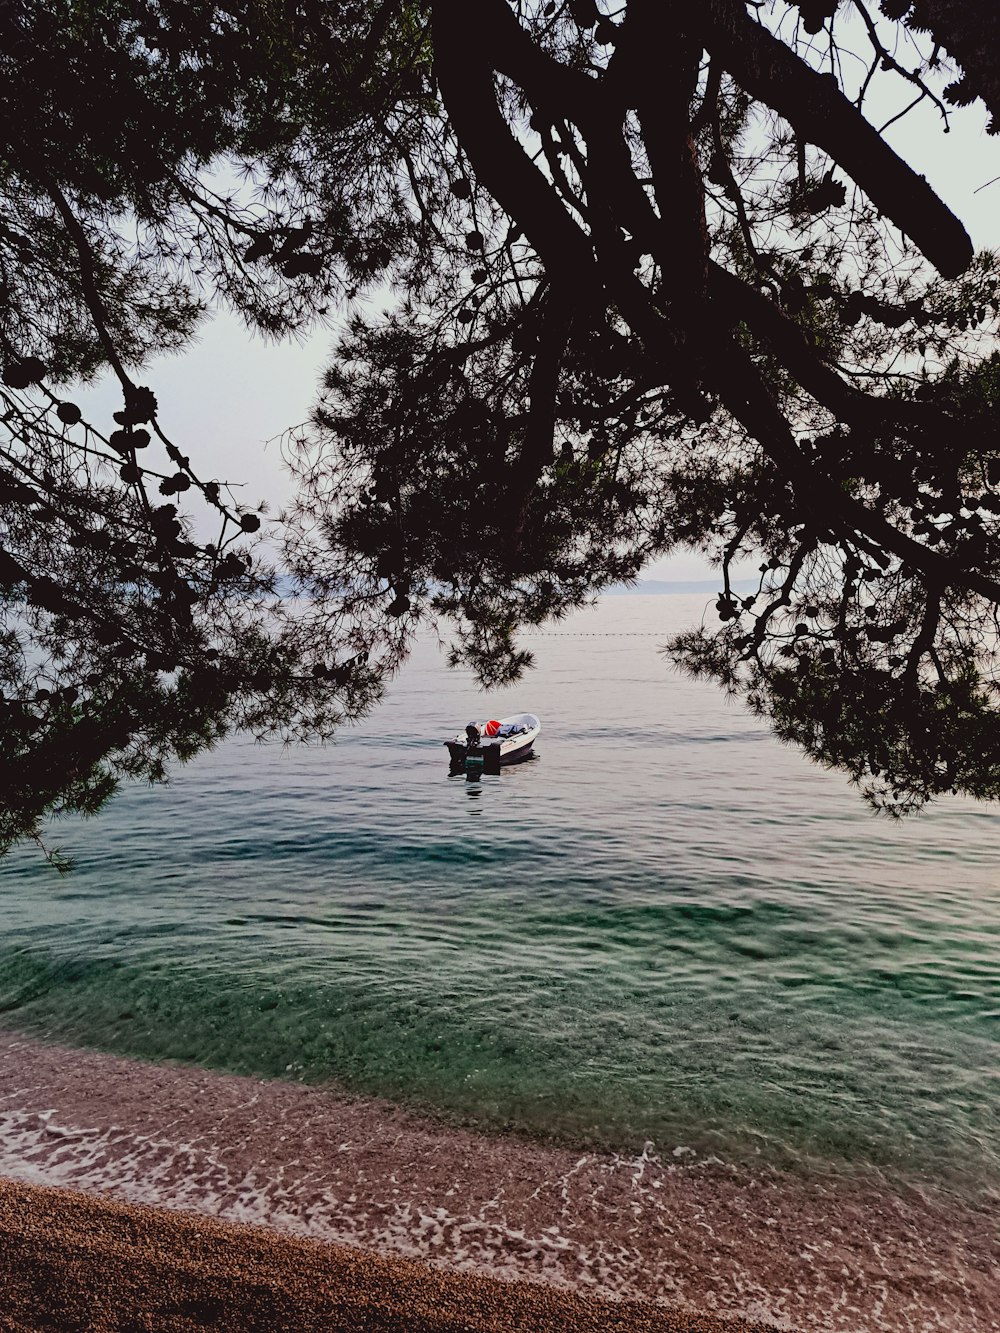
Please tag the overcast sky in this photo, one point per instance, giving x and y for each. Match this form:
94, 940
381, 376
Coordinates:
230, 393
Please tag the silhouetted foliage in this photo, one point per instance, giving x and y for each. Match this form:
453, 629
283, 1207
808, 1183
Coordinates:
645, 293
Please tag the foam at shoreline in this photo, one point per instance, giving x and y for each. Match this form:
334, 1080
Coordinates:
74, 1261
804, 1254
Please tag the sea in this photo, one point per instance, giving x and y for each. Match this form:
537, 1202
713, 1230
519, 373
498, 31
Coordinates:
666, 931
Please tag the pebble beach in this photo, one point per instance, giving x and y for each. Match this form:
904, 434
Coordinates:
141, 1195
69, 1261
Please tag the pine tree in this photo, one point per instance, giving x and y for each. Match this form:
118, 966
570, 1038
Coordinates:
646, 292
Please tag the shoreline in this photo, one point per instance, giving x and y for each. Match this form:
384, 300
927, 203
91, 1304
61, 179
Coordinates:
72, 1261
660, 1228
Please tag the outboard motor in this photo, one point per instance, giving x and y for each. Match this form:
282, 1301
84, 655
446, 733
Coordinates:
473, 754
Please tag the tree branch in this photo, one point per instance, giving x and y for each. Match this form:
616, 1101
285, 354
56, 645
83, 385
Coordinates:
746, 397
820, 112
742, 303
465, 78
88, 280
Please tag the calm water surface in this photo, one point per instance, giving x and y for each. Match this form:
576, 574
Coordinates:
666, 927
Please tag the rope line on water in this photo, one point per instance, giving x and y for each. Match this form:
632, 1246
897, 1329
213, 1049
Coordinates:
600, 634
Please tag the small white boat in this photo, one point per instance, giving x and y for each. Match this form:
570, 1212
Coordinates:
487, 745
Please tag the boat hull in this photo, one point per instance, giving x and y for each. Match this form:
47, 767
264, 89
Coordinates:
494, 754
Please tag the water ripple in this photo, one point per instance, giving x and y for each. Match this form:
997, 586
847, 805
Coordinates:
669, 925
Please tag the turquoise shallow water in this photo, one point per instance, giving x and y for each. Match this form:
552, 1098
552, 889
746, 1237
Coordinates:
666, 927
